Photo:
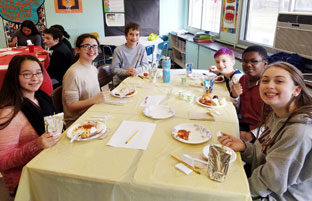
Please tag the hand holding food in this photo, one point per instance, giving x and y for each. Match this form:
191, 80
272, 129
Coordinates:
233, 142
47, 140
237, 89
131, 71
100, 97
213, 69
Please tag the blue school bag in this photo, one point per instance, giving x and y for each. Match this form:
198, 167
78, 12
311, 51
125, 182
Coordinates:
293, 59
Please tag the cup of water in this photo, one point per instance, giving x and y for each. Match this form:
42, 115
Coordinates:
153, 74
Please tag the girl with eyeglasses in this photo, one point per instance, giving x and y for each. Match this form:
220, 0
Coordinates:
281, 159
81, 87
22, 109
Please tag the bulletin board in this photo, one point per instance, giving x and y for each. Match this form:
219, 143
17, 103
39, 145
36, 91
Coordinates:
18, 11
145, 13
14, 12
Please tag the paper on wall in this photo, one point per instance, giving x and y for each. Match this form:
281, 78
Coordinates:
115, 19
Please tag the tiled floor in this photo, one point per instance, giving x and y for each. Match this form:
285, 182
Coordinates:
4, 194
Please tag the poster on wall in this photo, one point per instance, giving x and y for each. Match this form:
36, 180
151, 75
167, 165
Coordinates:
115, 19
229, 16
114, 6
114, 13
14, 12
68, 6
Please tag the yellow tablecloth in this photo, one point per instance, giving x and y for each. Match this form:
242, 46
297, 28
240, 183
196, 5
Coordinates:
91, 170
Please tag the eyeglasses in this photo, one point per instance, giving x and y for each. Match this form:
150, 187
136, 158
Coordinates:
253, 62
89, 47
30, 75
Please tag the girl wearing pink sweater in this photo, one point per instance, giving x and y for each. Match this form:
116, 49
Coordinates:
22, 108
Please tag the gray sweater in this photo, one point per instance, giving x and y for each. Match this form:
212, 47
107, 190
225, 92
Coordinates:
284, 173
124, 58
22, 39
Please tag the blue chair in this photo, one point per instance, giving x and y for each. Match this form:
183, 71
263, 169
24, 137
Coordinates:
149, 51
105, 55
163, 46
164, 37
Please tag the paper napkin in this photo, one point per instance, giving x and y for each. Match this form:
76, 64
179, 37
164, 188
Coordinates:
152, 100
183, 168
201, 116
132, 134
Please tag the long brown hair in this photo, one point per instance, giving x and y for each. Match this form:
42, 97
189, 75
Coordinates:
303, 101
11, 94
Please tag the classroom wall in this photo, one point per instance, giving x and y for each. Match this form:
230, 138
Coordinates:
173, 16
90, 20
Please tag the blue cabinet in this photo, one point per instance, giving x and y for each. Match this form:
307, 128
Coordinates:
191, 55
184, 50
205, 58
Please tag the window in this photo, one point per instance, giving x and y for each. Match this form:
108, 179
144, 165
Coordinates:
260, 18
205, 15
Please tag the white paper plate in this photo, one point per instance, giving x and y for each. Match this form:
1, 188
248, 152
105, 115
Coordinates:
196, 76
199, 103
159, 112
123, 92
73, 129
198, 134
216, 81
206, 152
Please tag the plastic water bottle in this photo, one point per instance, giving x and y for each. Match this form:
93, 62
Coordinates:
166, 64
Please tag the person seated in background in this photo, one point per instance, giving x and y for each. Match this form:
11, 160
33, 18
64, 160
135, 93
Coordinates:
65, 35
61, 57
81, 87
27, 31
22, 130
225, 61
130, 58
246, 92
281, 159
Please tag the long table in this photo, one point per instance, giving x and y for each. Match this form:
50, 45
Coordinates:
44, 59
92, 170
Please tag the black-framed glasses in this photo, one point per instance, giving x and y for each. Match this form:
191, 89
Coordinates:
30, 75
89, 47
251, 61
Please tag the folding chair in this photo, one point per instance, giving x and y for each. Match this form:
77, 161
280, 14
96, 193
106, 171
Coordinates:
163, 46
56, 96
150, 51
